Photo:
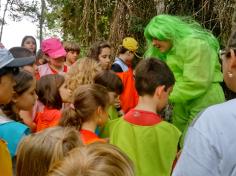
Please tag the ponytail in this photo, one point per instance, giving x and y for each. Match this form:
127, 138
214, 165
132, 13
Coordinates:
71, 118
87, 98
8, 110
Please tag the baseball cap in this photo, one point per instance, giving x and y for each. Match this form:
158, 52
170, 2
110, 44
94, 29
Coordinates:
130, 43
23, 53
7, 60
53, 48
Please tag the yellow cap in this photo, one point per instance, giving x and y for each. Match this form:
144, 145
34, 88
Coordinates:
130, 43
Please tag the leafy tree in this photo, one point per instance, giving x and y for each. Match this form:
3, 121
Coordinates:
87, 21
17, 9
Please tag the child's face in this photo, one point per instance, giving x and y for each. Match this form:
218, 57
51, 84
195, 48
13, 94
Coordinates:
102, 116
30, 68
72, 56
65, 94
6, 88
58, 62
27, 100
30, 44
129, 56
114, 98
104, 58
163, 97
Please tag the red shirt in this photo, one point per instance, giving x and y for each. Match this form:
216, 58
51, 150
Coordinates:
142, 118
47, 118
89, 137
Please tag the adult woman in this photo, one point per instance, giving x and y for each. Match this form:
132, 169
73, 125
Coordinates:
210, 143
192, 54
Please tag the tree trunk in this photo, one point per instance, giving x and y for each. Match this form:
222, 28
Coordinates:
95, 19
234, 18
41, 21
3, 19
160, 6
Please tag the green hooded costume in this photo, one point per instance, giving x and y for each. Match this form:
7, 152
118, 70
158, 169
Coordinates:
193, 58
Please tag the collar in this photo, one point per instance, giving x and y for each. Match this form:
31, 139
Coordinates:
56, 72
142, 118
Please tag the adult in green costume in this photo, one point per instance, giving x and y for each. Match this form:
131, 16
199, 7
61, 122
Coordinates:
192, 54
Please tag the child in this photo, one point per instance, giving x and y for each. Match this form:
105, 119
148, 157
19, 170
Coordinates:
21, 52
52, 93
55, 52
150, 142
29, 42
82, 72
95, 159
8, 66
89, 110
38, 152
72, 52
23, 99
113, 83
101, 52
122, 65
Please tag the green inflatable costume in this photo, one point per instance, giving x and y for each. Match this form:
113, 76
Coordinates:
192, 55
152, 148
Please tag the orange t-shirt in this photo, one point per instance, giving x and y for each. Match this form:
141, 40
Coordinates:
89, 137
129, 96
47, 118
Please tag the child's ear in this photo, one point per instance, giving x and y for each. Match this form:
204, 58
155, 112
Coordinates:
99, 110
14, 97
232, 59
159, 91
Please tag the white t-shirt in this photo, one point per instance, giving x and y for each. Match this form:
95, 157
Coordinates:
210, 145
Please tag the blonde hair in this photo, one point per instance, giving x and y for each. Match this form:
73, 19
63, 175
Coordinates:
87, 99
39, 151
82, 72
94, 159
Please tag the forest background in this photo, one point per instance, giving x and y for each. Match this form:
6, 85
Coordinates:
87, 21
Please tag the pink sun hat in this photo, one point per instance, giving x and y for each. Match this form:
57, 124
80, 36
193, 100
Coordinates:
53, 48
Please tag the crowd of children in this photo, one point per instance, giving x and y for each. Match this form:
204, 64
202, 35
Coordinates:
63, 115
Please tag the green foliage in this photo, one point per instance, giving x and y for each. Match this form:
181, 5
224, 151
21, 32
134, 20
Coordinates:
89, 20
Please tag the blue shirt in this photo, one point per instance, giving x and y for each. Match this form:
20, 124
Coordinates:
210, 144
12, 132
